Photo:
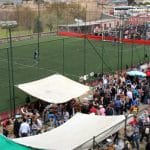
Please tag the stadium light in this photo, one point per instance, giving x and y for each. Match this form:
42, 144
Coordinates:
9, 25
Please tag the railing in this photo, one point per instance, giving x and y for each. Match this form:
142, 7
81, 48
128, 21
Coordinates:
26, 37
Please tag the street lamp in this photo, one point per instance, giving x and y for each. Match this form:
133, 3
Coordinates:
9, 25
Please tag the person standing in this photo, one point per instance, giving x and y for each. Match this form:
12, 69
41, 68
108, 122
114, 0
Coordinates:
24, 129
16, 127
136, 137
147, 146
118, 105
109, 110
5, 128
35, 54
101, 111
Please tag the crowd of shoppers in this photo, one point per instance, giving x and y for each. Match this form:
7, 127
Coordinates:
112, 95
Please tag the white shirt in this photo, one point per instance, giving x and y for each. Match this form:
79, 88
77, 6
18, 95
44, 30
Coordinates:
39, 123
129, 94
24, 128
66, 115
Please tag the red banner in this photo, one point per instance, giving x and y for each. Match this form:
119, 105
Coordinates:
107, 38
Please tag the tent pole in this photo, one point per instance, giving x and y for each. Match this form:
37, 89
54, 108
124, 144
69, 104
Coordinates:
93, 142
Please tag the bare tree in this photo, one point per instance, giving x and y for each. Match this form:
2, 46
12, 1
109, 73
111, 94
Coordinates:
26, 17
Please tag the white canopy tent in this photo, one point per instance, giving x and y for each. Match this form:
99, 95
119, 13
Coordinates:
144, 67
54, 89
76, 133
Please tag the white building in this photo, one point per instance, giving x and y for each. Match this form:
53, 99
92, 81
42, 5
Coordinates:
104, 24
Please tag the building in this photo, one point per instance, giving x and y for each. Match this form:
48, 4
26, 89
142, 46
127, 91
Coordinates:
105, 23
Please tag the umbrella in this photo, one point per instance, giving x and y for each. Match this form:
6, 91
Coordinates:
148, 73
136, 73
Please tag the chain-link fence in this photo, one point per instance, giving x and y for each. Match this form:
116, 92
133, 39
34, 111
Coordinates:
72, 57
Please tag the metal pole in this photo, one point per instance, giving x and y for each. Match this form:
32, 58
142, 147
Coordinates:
9, 81
132, 55
118, 56
120, 28
63, 57
121, 55
102, 57
93, 142
144, 52
84, 56
38, 44
125, 128
121, 48
57, 17
120, 35
84, 53
12, 71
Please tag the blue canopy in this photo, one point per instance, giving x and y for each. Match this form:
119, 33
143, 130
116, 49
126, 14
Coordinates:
136, 73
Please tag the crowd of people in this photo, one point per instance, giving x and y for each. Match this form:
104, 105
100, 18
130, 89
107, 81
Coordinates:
127, 32
112, 95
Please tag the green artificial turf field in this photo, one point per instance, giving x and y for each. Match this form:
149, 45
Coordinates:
71, 56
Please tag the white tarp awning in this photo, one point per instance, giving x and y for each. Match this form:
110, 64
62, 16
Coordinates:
76, 133
54, 89
144, 67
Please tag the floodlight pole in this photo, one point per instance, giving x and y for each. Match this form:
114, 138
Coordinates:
12, 70
9, 25
9, 81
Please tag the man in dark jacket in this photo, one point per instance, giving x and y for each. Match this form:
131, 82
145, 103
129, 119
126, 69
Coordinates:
16, 127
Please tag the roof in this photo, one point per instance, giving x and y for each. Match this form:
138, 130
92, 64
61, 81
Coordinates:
105, 16
88, 23
77, 133
54, 89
